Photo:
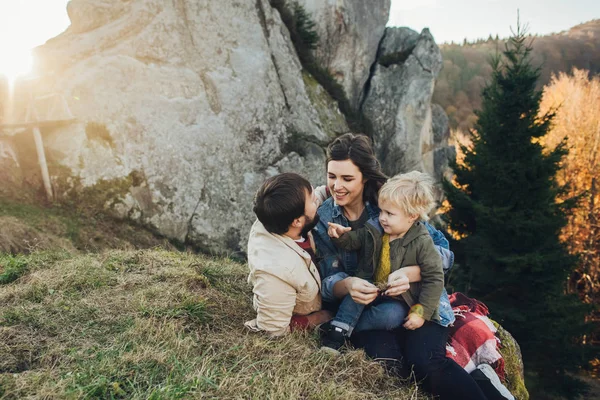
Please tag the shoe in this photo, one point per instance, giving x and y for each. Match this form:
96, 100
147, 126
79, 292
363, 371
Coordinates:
490, 384
333, 338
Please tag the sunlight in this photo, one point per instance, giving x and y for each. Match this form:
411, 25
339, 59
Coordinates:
14, 63
25, 24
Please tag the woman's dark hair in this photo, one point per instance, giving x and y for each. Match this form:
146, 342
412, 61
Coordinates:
359, 150
280, 200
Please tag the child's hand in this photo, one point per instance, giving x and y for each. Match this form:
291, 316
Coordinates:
337, 230
413, 321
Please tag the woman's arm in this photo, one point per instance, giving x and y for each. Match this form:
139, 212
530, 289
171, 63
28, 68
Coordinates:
399, 280
413, 273
443, 247
326, 250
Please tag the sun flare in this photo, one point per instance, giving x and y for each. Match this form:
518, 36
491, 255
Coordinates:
25, 24
15, 63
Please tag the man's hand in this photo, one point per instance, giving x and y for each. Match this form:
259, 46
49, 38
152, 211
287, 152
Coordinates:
413, 321
397, 283
361, 291
337, 230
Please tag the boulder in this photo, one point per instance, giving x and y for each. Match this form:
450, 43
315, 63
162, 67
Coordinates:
349, 34
513, 363
442, 152
199, 101
408, 132
183, 108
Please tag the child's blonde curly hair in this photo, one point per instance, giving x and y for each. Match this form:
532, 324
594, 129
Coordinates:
411, 192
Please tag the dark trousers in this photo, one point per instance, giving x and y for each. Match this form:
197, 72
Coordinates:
423, 352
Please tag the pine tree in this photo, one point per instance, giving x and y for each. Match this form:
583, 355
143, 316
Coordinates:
504, 206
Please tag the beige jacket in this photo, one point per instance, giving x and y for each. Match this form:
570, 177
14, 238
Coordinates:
284, 281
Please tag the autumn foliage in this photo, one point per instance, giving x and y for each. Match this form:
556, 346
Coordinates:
576, 100
467, 70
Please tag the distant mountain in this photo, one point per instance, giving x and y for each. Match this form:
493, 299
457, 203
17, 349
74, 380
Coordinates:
466, 68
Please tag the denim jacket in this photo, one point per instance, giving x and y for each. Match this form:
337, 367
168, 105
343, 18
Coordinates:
337, 264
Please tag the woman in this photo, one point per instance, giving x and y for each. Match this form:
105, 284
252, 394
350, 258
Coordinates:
354, 178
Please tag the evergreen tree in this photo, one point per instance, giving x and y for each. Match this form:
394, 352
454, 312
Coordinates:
504, 206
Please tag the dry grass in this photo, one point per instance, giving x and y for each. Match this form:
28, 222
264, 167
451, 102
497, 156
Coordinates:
158, 324
26, 227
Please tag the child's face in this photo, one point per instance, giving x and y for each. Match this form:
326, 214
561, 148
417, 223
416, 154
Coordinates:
393, 220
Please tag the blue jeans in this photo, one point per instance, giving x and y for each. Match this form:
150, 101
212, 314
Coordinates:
445, 310
383, 313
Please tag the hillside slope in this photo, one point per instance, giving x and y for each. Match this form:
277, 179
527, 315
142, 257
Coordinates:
157, 324
93, 307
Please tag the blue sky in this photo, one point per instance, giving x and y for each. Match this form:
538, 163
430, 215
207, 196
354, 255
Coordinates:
453, 20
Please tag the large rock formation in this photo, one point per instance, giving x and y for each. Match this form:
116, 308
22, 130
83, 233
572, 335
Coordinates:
408, 133
184, 108
197, 101
349, 33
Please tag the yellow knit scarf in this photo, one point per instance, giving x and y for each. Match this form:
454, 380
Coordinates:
385, 265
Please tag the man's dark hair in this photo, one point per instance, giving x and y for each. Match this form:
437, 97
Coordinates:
280, 200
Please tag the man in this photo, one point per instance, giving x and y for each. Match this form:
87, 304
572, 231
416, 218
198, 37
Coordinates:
286, 282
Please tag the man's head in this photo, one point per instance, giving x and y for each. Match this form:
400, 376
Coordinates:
284, 202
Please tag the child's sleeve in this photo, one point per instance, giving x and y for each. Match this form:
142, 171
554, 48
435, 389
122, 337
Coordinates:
432, 276
350, 240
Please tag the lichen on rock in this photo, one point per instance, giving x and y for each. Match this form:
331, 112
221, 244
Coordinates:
513, 363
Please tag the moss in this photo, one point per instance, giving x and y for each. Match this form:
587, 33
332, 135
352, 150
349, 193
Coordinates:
103, 195
331, 121
98, 132
513, 364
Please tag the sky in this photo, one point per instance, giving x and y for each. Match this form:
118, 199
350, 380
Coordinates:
25, 24
454, 20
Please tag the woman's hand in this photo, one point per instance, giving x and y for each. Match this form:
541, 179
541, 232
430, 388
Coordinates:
336, 230
397, 283
362, 292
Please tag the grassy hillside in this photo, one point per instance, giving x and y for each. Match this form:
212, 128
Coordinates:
26, 227
157, 324
81, 319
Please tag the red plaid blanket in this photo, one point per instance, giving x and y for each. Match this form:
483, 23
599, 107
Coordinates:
472, 339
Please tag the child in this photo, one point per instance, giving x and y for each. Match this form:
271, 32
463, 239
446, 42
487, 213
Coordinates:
397, 239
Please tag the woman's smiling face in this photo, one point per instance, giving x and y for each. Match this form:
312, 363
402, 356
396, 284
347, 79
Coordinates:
345, 182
